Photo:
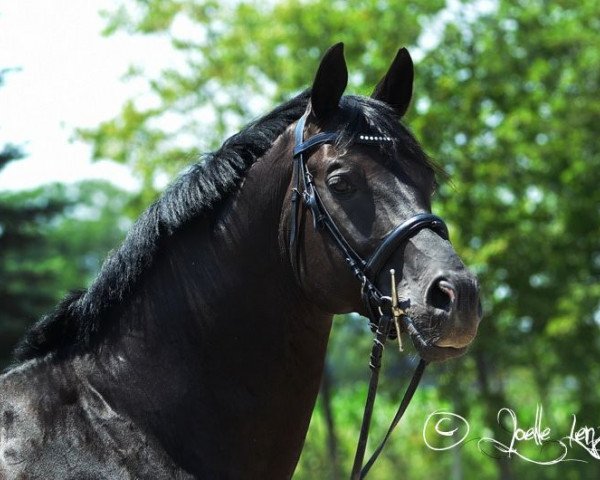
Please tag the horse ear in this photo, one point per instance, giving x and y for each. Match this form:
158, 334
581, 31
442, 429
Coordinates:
395, 88
330, 82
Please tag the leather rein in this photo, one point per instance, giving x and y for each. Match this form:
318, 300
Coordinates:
385, 314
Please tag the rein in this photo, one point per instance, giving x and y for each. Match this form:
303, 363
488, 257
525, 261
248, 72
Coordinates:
383, 310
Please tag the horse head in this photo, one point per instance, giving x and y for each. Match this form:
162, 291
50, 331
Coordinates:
364, 173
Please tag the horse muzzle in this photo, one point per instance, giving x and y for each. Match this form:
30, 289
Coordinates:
450, 316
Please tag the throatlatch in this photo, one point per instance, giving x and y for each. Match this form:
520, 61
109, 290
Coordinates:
384, 311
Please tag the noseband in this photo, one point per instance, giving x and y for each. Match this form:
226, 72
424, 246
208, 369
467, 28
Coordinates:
382, 309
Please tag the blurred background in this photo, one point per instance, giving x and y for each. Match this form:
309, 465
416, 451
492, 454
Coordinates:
103, 102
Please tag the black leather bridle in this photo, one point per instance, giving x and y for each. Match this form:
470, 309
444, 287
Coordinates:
381, 308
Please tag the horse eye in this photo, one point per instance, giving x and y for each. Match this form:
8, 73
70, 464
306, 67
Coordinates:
340, 185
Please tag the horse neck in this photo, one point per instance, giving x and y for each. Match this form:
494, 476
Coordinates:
221, 343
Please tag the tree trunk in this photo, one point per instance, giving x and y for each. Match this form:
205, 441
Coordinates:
332, 442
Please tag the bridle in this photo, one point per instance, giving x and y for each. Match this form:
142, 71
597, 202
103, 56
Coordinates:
382, 310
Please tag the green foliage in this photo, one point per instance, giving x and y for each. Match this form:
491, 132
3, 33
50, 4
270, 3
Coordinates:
511, 100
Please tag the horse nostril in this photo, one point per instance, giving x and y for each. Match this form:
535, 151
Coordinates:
441, 294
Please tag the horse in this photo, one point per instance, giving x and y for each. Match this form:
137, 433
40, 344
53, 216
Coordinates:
198, 350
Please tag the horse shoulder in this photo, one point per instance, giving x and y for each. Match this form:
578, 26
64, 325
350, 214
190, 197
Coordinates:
54, 425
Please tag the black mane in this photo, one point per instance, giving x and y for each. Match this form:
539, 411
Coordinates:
82, 316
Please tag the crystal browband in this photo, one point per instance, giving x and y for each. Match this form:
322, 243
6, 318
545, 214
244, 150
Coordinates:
374, 138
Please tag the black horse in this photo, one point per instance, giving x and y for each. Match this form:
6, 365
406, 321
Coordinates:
198, 350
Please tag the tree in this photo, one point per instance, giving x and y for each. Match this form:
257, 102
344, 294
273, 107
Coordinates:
53, 239
15, 234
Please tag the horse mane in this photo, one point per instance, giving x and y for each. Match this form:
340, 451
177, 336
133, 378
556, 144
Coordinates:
83, 316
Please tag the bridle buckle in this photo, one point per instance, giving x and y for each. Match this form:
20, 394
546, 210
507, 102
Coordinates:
397, 312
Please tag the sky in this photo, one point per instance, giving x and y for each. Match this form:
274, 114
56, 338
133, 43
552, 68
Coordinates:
69, 76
